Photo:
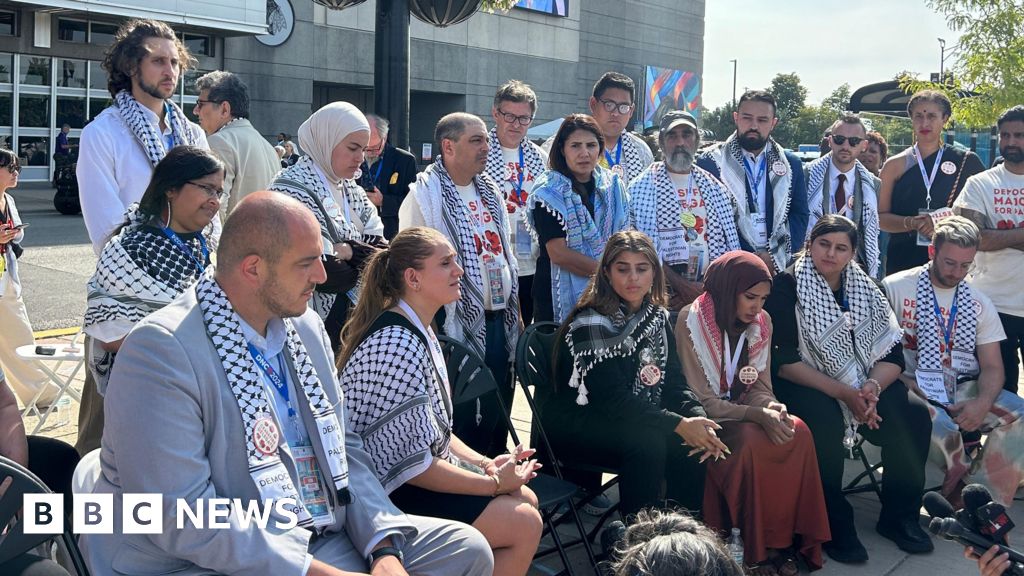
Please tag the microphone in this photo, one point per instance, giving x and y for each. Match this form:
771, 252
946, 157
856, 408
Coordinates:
950, 529
988, 517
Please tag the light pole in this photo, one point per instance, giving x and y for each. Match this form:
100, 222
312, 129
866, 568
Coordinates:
942, 60
733, 83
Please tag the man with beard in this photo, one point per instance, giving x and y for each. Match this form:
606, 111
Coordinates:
994, 200
767, 181
688, 213
119, 149
838, 183
951, 335
455, 197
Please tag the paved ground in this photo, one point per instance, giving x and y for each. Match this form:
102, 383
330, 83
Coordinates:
58, 261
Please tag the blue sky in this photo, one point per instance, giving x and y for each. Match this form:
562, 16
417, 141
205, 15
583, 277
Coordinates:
825, 42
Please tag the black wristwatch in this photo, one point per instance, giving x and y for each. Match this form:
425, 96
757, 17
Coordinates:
386, 551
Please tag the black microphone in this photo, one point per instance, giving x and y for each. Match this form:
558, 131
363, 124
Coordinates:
950, 529
937, 506
988, 517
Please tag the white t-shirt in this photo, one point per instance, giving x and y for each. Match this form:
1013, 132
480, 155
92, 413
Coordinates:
516, 207
901, 289
998, 194
690, 200
488, 241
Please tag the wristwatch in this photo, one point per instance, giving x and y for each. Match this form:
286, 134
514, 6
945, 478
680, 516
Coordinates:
386, 551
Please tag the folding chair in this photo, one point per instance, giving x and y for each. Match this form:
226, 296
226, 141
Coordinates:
13, 539
857, 485
470, 379
534, 370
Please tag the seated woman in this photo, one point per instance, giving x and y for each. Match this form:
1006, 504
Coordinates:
626, 405
156, 254
574, 207
836, 358
769, 486
398, 400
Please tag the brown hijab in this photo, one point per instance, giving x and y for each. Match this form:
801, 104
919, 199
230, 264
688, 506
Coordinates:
729, 275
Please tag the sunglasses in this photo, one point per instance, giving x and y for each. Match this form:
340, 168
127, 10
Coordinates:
840, 139
613, 106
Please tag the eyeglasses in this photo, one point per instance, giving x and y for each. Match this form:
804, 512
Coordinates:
512, 118
839, 139
13, 168
613, 106
201, 103
211, 192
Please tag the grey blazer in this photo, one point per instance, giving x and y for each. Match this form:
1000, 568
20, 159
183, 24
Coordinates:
173, 427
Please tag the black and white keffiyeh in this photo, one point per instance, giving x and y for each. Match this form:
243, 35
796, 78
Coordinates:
845, 351
303, 182
397, 404
930, 345
728, 156
152, 142
223, 326
139, 272
496, 168
593, 338
865, 206
655, 206
444, 210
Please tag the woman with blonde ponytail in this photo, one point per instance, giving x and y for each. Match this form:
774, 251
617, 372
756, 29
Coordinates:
398, 400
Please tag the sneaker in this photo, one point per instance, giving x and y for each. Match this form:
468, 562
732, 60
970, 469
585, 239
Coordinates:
598, 505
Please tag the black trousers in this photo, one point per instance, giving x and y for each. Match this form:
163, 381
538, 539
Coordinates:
526, 299
483, 427
643, 458
903, 435
1012, 349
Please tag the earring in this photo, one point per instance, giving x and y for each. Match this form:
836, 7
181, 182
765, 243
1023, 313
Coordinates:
168, 224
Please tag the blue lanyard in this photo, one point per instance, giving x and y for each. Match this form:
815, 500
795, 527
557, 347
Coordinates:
607, 156
928, 181
278, 380
946, 328
168, 140
180, 245
376, 175
522, 175
754, 182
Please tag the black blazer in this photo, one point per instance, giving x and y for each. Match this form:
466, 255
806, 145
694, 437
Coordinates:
397, 171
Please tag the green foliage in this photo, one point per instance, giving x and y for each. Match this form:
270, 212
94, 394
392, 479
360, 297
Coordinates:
497, 5
718, 121
790, 99
837, 101
990, 62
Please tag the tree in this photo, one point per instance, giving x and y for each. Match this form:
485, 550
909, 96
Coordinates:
718, 121
790, 97
838, 101
992, 56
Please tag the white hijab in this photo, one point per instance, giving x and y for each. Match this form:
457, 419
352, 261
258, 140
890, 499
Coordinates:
325, 129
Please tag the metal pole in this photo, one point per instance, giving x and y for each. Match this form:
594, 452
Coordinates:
942, 61
733, 83
391, 69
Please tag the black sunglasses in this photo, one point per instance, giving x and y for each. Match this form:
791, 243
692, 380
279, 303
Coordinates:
839, 139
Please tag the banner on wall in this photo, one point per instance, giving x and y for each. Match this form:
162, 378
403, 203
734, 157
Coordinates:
668, 89
552, 7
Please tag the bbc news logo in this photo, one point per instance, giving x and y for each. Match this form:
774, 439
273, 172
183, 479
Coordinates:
144, 513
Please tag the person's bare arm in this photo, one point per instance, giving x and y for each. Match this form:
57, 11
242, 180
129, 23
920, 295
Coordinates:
888, 221
992, 239
565, 257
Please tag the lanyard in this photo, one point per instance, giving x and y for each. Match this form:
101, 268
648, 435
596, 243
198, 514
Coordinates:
435, 347
689, 193
478, 221
928, 181
522, 175
278, 380
168, 139
607, 156
180, 245
733, 358
754, 182
946, 329
376, 175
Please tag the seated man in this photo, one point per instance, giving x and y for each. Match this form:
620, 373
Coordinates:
247, 397
954, 362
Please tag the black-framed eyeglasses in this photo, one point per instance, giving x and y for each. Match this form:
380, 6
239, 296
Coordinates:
13, 168
512, 118
839, 139
613, 106
211, 191
201, 103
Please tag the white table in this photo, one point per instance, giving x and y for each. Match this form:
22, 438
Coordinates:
43, 362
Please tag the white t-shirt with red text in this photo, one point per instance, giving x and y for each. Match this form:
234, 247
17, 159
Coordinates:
488, 241
998, 195
691, 200
516, 205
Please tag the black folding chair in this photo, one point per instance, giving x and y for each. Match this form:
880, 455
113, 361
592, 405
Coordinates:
858, 484
13, 539
470, 379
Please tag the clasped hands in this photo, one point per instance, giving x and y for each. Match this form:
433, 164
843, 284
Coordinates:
513, 471
863, 403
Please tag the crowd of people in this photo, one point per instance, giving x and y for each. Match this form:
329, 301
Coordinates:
264, 325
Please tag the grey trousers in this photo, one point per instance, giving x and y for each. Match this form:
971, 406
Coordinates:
441, 548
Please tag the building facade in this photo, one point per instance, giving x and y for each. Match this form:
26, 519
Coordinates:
50, 54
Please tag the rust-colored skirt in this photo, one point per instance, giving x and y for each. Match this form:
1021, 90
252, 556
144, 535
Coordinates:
771, 493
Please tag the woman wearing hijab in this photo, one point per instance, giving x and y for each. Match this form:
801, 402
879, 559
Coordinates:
769, 486
626, 405
836, 357
334, 138
157, 253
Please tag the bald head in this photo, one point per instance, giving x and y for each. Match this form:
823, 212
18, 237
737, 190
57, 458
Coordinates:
462, 141
261, 225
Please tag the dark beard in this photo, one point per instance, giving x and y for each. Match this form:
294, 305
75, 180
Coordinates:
752, 143
153, 91
1013, 155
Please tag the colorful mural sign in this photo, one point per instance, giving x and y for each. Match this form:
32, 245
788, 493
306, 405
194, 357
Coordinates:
667, 89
